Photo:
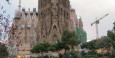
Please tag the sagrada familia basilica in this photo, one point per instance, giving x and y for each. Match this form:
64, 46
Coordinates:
45, 24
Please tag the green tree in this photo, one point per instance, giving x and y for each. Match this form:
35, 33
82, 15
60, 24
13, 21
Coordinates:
89, 45
103, 42
3, 51
53, 47
56, 46
41, 48
69, 39
111, 35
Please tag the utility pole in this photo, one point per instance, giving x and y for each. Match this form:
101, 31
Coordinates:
96, 23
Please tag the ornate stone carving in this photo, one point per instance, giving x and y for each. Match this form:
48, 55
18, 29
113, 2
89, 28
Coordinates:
53, 19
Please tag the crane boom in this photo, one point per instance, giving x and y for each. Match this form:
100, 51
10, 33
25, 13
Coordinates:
97, 22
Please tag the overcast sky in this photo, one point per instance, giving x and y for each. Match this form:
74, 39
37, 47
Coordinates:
88, 10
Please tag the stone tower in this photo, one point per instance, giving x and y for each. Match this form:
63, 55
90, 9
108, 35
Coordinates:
73, 23
53, 19
80, 23
23, 33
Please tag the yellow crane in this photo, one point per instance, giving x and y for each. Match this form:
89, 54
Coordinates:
96, 23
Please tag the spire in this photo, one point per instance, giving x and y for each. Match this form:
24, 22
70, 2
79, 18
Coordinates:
80, 23
18, 12
19, 6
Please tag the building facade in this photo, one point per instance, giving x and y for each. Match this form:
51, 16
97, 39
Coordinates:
76, 25
24, 31
48, 24
73, 22
54, 18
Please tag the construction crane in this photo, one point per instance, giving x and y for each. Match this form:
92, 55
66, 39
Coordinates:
96, 23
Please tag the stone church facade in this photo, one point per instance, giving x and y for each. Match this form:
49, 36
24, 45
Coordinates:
73, 22
24, 31
53, 19
48, 24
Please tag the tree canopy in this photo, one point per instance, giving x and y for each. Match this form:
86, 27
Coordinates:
103, 42
3, 51
111, 35
40, 47
70, 39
